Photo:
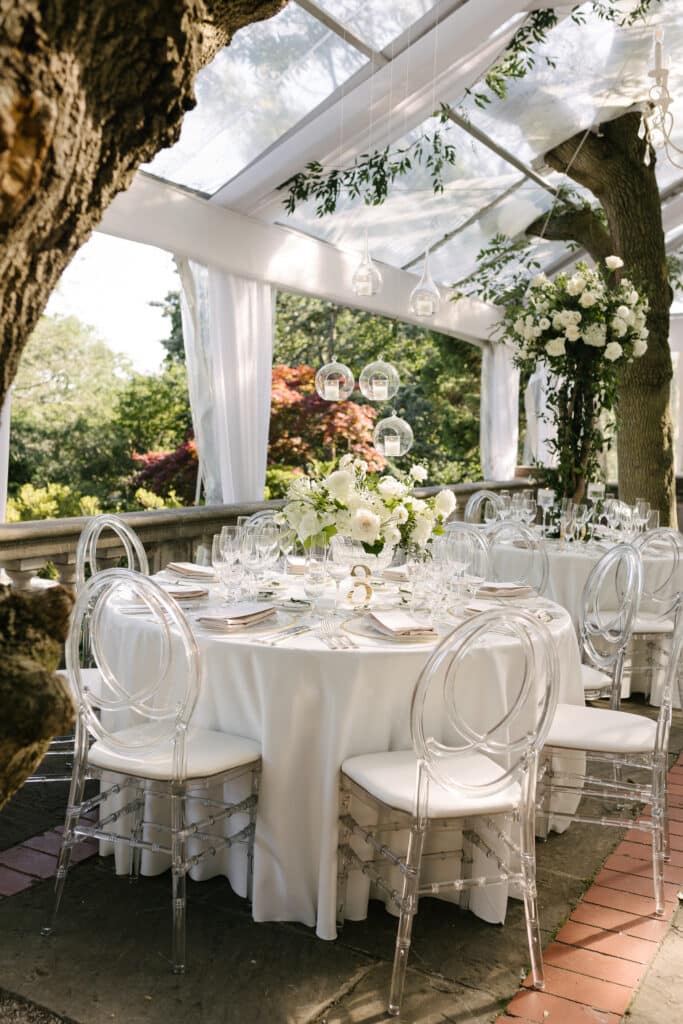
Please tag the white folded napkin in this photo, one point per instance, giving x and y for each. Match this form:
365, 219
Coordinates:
398, 573
476, 607
399, 623
183, 593
296, 565
238, 615
504, 589
192, 571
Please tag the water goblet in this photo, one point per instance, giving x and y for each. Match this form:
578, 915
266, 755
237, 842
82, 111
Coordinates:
641, 513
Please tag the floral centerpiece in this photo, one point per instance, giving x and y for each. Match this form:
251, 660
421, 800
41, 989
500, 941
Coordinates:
584, 326
376, 510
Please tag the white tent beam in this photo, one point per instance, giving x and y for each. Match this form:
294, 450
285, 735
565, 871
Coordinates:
157, 213
343, 31
469, 40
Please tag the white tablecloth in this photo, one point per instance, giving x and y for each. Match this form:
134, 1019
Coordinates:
310, 708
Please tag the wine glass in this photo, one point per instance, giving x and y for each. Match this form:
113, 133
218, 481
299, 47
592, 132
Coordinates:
641, 513
315, 574
582, 514
288, 540
546, 499
490, 512
505, 507
566, 521
340, 559
268, 543
250, 558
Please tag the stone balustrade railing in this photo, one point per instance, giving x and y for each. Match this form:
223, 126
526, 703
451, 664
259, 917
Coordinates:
168, 534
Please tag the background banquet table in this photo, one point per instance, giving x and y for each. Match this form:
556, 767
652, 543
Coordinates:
310, 708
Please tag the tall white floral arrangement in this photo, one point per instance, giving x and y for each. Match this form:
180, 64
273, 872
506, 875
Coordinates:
584, 326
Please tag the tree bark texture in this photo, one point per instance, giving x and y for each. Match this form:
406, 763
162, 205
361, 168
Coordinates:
610, 164
88, 91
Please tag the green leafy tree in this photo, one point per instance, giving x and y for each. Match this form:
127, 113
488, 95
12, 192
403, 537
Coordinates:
64, 404
153, 410
174, 344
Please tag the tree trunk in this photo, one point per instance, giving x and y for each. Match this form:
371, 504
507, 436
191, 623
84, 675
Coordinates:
87, 93
610, 164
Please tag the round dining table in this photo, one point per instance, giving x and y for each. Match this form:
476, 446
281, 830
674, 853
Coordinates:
310, 708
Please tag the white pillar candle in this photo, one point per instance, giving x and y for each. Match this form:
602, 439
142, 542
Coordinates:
392, 444
332, 390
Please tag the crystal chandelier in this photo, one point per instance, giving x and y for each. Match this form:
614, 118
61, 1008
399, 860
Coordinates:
657, 125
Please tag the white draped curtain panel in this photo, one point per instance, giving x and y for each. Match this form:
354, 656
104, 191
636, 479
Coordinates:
228, 324
499, 412
539, 431
4, 456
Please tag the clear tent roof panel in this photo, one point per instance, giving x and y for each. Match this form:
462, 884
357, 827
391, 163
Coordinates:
377, 23
272, 75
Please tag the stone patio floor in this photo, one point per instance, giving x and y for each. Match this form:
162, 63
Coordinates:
608, 958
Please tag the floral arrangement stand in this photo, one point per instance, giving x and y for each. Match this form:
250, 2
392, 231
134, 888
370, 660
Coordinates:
376, 510
585, 327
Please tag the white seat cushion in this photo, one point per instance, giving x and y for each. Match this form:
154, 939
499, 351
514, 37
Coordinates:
594, 680
391, 777
649, 623
90, 676
208, 753
575, 727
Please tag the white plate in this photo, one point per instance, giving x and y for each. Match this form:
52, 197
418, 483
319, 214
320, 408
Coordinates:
273, 624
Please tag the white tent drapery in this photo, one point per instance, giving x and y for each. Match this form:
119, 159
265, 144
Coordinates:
539, 431
228, 329
498, 427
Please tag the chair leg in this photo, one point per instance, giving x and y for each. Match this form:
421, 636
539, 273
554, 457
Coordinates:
255, 780
411, 878
546, 786
659, 825
179, 877
72, 815
136, 851
342, 856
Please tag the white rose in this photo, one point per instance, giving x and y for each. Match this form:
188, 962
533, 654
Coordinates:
444, 504
619, 326
539, 280
392, 535
639, 347
613, 263
390, 487
644, 333
587, 299
572, 333
595, 335
519, 325
418, 473
613, 351
544, 323
422, 531
536, 332
339, 485
575, 285
555, 347
309, 525
400, 513
624, 313
365, 526
419, 505
558, 322
632, 297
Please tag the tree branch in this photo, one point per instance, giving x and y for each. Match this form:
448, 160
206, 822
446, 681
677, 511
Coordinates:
582, 226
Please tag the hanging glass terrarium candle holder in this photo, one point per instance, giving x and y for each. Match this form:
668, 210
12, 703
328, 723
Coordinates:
334, 382
425, 297
366, 279
379, 381
393, 437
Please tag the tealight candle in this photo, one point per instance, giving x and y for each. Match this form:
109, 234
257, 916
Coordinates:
392, 444
331, 390
424, 305
380, 388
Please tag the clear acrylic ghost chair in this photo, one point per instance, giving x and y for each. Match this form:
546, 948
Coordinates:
661, 551
609, 609
152, 748
57, 764
518, 555
476, 502
626, 759
266, 515
468, 545
472, 769
86, 550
